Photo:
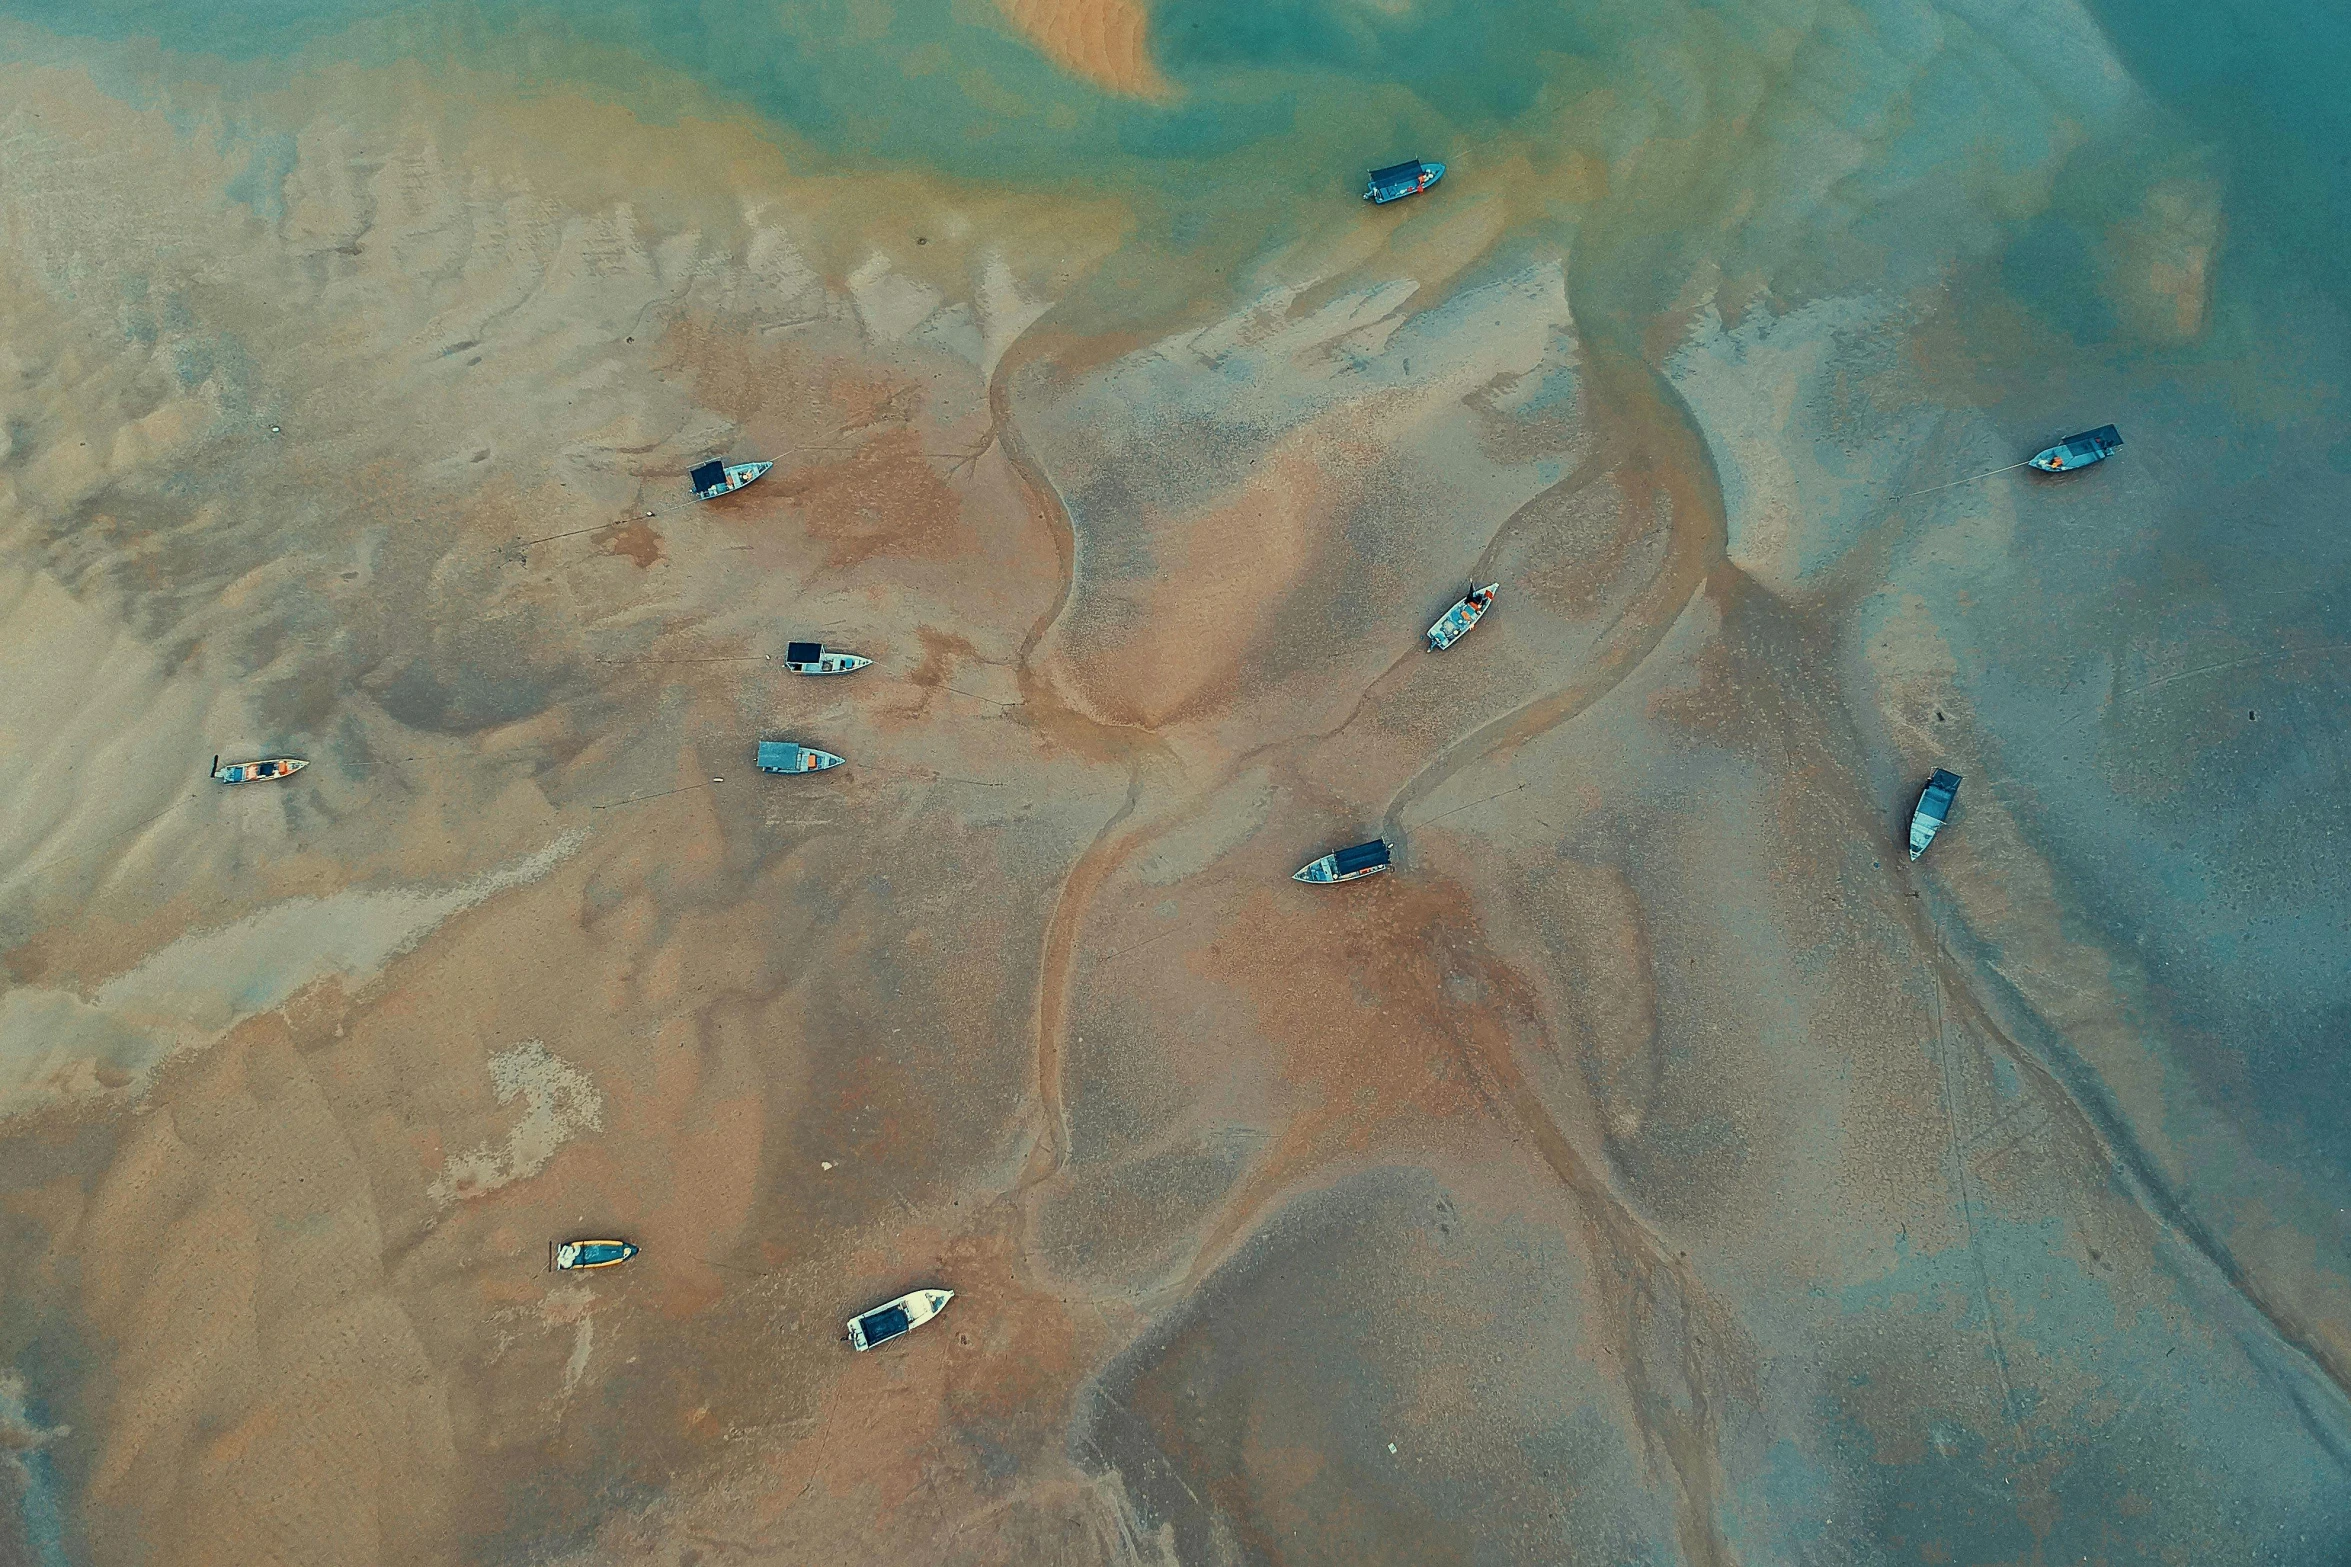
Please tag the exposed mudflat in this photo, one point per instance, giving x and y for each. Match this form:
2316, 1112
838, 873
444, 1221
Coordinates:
1656, 1166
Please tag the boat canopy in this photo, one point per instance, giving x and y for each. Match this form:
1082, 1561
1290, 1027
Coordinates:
1362, 857
2099, 441
1398, 179
779, 756
883, 1325
709, 476
803, 652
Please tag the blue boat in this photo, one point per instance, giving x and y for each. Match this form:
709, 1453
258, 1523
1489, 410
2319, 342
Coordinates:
721, 478
1400, 180
2079, 451
592, 1254
782, 756
1365, 859
1933, 810
899, 1317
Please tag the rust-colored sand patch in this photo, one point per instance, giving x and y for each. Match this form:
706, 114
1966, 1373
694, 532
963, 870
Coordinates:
1104, 41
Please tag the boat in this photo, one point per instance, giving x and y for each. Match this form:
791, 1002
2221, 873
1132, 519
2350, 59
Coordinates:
901, 1316
1365, 859
810, 658
593, 1254
2079, 451
724, 478
1466, 612
782, 756
254, 772
1933, 810
1400, 180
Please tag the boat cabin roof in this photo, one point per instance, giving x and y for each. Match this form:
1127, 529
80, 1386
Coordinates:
1397, 173
778, 753
709, 476
1362, 857
2106, 436
885, 1324
803, 652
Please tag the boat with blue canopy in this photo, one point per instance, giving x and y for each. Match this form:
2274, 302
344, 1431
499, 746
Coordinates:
713, 479
896, 1319
592, 1254
1399, 180
782, 756
1933, 810
1364, 859
2079, 451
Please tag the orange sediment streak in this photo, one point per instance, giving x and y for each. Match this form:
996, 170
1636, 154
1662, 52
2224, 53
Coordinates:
1100, 40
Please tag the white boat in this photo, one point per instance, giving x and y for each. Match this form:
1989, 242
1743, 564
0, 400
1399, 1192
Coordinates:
252, 772
900, 1316
782, 756
593, 1254
1365, 859
1466, 612
1933, 809
724, 478
811, 658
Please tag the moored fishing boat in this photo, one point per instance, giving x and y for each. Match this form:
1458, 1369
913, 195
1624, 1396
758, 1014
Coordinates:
1364, 859
592, 1254
896, 1318
722, 478
812, 658
2078, 451
782, 756
1932, 811
1400, 180
253, 772
1466, 612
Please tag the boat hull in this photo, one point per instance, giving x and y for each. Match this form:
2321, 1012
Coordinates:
257, 772
781, 756
2078, 451
830, 664
1932, 811
1401, 180
1351, 864
897, 1318
1466, 612
574, 1255
736, 475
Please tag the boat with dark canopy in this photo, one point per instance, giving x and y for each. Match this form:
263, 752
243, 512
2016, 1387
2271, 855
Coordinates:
2079, 451
1365, 859
1400, 180
1932, 811
810, 658
721, 478
896, 1319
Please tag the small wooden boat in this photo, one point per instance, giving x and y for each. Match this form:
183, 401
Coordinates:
1933, 810
1365, 859
724, 478
254, 772
1400, 180
2079, 451
593, 1254
899, 1317
1466, 612
782, 756
810, 658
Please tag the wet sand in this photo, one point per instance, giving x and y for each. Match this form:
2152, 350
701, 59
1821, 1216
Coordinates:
1656, 1166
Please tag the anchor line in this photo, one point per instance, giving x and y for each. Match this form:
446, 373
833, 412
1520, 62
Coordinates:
1970, 479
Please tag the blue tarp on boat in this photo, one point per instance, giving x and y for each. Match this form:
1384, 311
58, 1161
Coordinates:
1362, 857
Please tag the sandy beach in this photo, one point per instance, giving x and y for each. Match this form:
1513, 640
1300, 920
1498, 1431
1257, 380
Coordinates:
1656, 1165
